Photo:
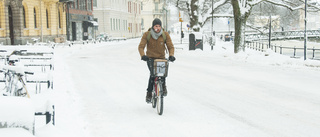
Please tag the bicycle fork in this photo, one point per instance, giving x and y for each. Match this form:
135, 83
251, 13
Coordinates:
158, 86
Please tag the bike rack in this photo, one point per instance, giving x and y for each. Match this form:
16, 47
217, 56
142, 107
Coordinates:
48, 115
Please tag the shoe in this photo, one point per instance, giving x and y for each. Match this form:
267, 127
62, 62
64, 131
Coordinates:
148, 97
165, 92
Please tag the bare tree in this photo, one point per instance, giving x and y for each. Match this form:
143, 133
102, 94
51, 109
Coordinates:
199, 11
243, 8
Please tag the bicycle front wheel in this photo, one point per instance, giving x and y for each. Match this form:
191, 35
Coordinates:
160, 100
154, 100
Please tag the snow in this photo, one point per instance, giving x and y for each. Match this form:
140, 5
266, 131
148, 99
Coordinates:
16, 112
14, 132
100, 91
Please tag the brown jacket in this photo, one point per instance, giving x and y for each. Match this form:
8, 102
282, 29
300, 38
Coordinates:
156, 48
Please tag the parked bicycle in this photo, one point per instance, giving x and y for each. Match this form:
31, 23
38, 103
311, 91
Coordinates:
14, 79
159, 70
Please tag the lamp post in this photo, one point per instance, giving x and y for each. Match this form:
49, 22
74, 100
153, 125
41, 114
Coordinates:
269, 31
212, 25
212, 18
305, 30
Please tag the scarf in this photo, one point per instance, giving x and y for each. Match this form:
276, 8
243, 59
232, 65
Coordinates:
155, 35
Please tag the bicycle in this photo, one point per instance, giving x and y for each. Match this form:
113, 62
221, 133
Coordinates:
14, 81
159, 70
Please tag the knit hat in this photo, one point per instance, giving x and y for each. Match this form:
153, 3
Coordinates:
156, 21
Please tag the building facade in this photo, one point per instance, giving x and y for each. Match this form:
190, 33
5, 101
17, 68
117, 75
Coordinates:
152, 9
118, 18
22, 21
313, 20
80, 21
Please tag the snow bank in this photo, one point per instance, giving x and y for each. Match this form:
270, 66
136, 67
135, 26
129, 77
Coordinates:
14, 132
19, 112
51, 131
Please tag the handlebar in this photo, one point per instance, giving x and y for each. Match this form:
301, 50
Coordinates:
150, 59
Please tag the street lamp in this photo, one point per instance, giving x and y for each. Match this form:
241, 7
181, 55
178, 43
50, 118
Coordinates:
270, 21
212, 18
305, 30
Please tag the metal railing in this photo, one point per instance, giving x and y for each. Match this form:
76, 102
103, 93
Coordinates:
282, 35
260, 46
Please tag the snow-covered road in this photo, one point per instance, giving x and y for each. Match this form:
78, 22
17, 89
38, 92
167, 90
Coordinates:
209, 93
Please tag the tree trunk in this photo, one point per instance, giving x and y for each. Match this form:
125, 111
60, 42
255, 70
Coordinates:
194, 13
240, 26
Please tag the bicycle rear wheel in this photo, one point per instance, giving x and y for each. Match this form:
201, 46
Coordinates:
159, 100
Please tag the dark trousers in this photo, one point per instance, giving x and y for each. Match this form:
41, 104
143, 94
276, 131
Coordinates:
151, 79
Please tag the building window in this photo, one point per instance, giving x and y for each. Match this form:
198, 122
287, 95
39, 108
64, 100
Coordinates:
129, 6
35, 17
47, 18
89, 5
142, 23
156, 6
24, 18
111, 23
114, 24
119, 24
141, 6
94, 3
59, 16
77, 4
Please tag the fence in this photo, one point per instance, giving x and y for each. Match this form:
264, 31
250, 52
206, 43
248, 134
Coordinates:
291, 51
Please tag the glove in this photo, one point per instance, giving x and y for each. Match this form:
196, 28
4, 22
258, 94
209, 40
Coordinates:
144, 58
172, 58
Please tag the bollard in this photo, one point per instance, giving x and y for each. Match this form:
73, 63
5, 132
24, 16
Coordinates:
313, 50
48, 117
53, 115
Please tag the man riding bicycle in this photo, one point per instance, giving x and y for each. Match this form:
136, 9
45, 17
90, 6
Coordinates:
157, 41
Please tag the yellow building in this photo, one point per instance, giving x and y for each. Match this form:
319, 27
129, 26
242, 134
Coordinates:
22, 21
